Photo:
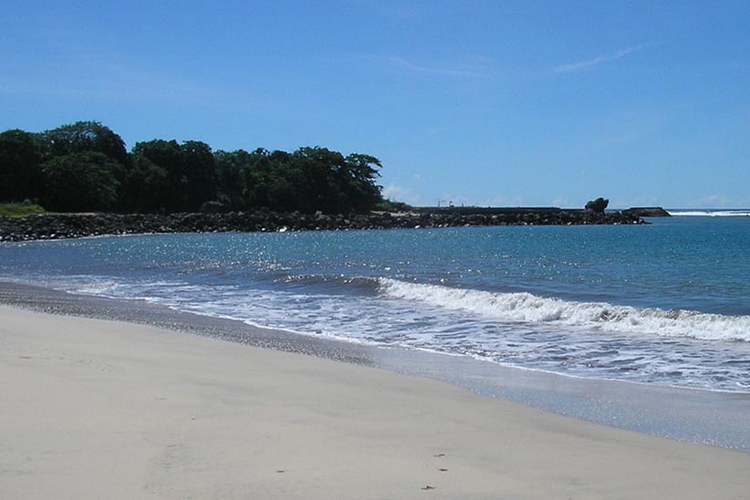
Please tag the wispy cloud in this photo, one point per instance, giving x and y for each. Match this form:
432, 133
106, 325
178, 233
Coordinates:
401, 193
83, 74
719, 201
594, 61
642, 201
435, 70
502, 201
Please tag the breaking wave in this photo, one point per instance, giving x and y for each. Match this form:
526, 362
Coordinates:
710, 213
529, 308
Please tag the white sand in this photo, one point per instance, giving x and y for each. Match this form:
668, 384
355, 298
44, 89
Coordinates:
94, 409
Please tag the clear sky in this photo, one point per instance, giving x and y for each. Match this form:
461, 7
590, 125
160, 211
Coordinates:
528, 102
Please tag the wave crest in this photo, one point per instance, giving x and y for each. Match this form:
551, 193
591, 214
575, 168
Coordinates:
710, 213
528, 308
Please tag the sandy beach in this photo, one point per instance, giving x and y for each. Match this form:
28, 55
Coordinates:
105, 409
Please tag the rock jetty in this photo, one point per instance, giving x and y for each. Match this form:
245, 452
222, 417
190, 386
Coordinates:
647, 212
57, 226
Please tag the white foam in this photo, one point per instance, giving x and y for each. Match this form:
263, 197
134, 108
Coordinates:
710, 213
528, 308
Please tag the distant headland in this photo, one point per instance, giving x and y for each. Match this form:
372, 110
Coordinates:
83, 174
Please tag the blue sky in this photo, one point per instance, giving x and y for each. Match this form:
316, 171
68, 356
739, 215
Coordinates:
476, 102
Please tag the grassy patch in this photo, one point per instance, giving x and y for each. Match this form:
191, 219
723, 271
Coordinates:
20, 209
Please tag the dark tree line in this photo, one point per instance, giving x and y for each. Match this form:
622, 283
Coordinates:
86, 167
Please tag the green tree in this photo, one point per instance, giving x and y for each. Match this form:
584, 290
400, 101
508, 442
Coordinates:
361, 172
321, 168
200, 171
230, 178
80, 182
167, 156
147, 187
190, 171
19, 166
165, 176
81, 137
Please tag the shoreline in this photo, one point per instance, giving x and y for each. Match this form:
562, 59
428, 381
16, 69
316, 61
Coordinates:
110, 409
691, 415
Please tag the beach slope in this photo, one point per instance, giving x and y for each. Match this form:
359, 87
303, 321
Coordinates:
101, 409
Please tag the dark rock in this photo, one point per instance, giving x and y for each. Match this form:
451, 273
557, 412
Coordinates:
57, 226
647, 212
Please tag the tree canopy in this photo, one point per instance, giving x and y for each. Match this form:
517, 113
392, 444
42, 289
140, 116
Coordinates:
84, 166
20, 158
82, 137
80, 182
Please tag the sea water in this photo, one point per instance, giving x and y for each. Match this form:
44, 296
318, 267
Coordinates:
666, 303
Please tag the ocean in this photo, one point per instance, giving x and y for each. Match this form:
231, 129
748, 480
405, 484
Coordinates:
664, 304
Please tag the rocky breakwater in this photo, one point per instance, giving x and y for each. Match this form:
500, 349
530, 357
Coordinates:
647, 212
56, 226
